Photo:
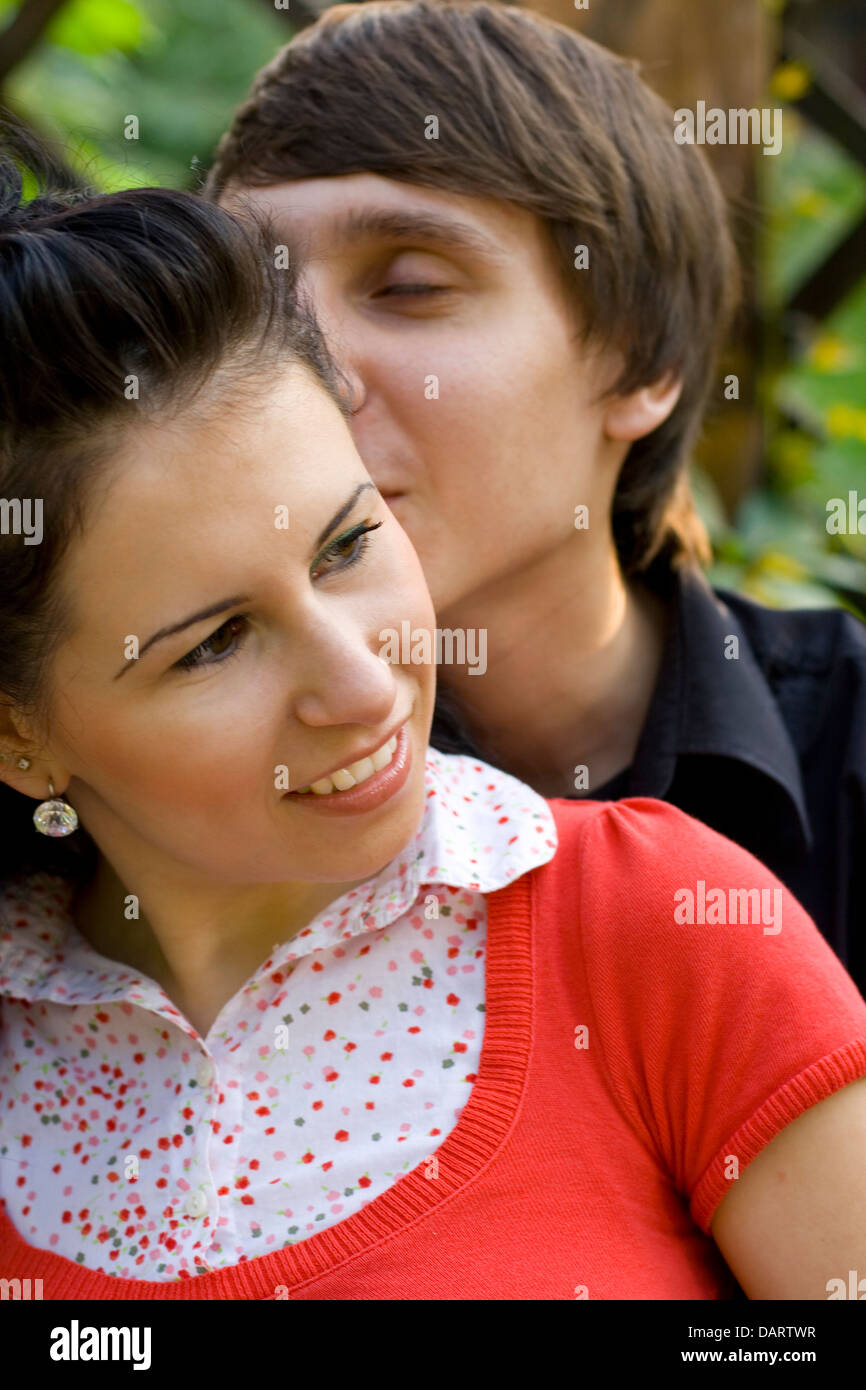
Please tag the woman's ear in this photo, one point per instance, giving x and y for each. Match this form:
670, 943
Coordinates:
631, 417
23, 765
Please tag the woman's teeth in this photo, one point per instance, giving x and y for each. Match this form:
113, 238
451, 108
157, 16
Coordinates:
351, 776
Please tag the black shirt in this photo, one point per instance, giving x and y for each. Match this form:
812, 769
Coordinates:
767, 746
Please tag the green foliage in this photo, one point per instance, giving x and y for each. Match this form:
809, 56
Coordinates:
813, 194
99, 26
779, 549
179, 66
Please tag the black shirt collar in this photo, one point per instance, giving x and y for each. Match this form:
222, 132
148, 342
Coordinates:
710, 705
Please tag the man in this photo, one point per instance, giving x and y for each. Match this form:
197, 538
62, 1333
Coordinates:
525, 280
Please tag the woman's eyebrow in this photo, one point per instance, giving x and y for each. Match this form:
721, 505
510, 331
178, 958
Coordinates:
224, 604
210, 612
397, 224
342, 513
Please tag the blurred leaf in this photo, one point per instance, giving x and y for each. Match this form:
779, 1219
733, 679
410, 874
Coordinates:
815, 193
709, 504
98, 26
189, 66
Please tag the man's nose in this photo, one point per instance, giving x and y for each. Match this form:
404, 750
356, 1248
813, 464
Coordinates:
332, 321
351, 387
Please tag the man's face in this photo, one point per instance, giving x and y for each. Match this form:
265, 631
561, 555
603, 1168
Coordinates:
476, 405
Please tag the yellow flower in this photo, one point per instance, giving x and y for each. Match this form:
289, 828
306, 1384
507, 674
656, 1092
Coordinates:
776, 562
790, 81
792, 457
846, 421
808, 202
828, 354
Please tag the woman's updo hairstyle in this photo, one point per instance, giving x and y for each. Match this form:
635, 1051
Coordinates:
115, 309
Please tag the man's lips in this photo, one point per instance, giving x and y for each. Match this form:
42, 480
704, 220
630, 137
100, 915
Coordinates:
366, 752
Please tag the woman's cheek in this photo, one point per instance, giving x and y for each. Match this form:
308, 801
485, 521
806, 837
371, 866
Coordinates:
211, 733
406, 588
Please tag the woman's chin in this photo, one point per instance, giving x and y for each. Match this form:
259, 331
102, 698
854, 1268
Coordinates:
375, 846
387, 848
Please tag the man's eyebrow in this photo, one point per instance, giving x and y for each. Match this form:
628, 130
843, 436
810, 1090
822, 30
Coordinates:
397, 224
224, 604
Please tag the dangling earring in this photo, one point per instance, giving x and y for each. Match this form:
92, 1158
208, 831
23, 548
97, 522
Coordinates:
54, 817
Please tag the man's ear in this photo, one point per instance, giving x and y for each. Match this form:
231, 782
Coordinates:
639, 413
24, 764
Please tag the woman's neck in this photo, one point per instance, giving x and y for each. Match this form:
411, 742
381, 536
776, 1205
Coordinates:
200, 948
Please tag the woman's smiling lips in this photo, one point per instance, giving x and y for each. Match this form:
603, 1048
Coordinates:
366, 795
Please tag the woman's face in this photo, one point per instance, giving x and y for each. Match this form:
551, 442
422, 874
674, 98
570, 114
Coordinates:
230, 552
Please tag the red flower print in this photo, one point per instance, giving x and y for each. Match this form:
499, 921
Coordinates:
370, 949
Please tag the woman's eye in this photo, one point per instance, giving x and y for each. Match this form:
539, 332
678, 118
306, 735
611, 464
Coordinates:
406, 288
346, 550
227, 640
218, 647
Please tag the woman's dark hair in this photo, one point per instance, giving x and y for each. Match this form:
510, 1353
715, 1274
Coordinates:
115, 309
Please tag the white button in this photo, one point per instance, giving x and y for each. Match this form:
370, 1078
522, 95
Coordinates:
196, 1204
204, 1072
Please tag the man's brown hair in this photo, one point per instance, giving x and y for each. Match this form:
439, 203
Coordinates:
537, 115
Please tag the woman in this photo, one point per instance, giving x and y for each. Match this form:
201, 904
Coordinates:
315, 1012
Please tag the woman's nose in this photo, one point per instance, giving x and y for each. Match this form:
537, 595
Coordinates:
346, 682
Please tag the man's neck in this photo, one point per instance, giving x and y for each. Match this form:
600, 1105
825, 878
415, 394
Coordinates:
573, 655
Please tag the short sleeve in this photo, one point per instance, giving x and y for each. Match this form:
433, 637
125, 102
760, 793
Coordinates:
720, 1011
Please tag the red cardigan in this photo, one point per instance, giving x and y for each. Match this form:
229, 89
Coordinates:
630, 1064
